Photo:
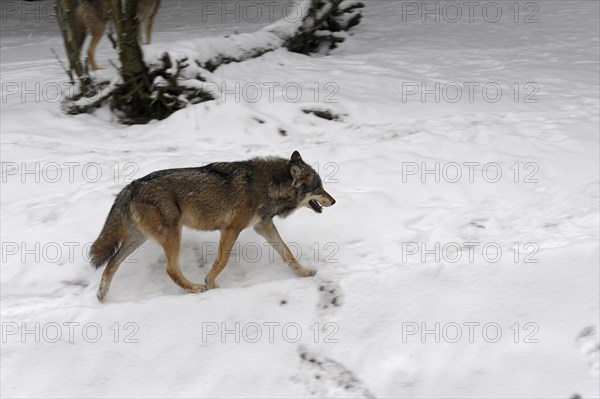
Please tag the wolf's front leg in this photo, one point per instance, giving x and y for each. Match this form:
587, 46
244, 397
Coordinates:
269, 232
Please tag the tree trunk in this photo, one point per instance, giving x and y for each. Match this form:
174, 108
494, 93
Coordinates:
126, 25
132, 99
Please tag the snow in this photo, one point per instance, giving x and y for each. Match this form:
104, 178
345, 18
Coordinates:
364, 317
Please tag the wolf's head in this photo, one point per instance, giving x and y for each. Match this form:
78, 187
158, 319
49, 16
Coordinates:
309, 185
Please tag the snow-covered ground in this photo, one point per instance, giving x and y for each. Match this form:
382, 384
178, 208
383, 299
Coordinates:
438, 276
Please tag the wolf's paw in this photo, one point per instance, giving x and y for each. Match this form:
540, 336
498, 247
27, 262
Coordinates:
100, 296
198, 288
306, 272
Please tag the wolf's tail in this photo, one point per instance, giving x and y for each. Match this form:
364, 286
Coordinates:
113, 233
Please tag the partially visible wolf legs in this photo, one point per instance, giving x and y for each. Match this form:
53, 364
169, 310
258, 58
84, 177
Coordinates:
149, 25
228, 237
97, 31
269, 232
148, 19
171, 243
170, 239
93, 16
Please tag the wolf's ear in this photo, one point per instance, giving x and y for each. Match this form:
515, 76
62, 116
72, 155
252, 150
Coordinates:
296, 157
296, 173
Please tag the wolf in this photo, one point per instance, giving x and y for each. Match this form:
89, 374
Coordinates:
224, 196
93, 16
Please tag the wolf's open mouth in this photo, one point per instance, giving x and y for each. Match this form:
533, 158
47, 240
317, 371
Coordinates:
316, 206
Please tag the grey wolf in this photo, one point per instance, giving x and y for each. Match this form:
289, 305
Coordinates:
93, 15
224, 196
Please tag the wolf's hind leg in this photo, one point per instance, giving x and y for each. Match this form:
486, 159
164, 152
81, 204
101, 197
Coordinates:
228, 237
149, 24
160, 218
133, 239
97, 28
171, 242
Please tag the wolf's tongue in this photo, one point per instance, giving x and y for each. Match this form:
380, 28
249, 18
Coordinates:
316, 206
